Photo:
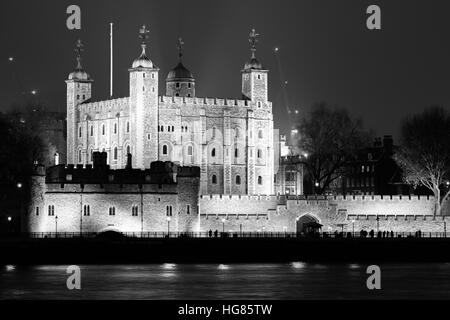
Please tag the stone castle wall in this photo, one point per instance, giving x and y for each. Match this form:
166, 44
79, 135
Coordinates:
278, 214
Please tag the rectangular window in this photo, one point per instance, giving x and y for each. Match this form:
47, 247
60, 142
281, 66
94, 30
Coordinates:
188, 209
37, 211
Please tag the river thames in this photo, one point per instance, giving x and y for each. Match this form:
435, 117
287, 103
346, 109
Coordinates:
296, 280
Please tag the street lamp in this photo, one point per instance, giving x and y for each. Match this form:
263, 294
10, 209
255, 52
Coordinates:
316, 185
445, 229
19, 185
9, 219
168, 226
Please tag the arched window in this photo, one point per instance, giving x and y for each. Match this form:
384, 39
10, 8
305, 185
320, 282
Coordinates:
103, 129
214, 179
128, 127
237, 132
112, 211
128, 150
238, 180
80, 157
162, 128
91, 155
51, 210
115, 128
189, 151
213, 152
115, 153
92, 131
173, 128
260, 134
236, 153
87, 210
214, 132
164, 149
259, 180
259, 153
79, 132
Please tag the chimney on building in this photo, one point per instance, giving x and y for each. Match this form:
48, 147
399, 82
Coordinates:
388, 144
129, 166
100, 159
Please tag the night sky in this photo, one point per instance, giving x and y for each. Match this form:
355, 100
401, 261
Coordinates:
326, 52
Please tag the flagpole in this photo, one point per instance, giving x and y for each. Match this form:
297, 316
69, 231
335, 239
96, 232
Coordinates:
111, 59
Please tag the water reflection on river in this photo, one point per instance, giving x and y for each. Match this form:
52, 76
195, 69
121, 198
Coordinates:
297, 280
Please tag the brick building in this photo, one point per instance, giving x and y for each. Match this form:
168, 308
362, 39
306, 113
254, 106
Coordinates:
374, 172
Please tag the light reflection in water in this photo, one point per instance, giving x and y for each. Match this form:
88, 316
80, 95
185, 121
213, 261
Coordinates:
298, 265
10, 267
295, 280
169, 266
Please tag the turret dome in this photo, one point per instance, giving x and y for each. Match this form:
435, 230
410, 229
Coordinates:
142, 62
253, 64
180, 73
79, 74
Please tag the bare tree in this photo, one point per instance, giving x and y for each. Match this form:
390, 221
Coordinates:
329, 138
425, 153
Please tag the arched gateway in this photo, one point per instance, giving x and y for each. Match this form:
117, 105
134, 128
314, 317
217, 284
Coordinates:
308, 224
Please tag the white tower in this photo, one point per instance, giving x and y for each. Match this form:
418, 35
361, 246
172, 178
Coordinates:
144, 107
79, 86
260, 124
254, 77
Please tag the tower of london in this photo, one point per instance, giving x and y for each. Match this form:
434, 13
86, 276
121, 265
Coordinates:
231, 140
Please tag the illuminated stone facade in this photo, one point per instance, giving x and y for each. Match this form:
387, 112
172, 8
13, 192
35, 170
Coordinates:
230, 140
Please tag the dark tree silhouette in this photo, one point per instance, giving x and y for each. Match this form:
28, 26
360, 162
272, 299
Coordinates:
425, 153
21, 146
328, 138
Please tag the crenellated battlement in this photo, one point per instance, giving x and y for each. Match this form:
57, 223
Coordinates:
270, 198
208, 102
114, 105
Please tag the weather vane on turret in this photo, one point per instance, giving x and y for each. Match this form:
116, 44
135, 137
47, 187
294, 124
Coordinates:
143, 35
180, 44
79, 48
253, 39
